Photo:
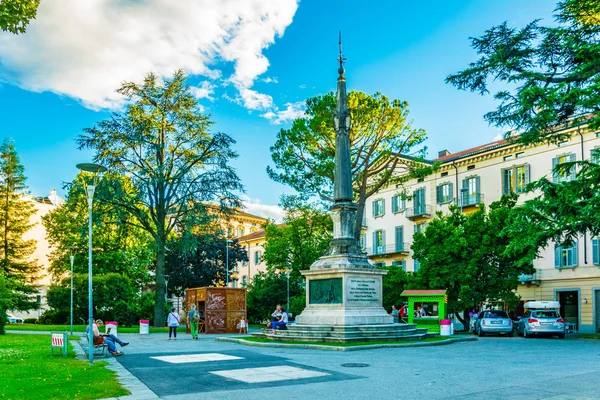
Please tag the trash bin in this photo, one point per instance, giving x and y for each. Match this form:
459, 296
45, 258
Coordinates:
112, 326
445, 327
144, 326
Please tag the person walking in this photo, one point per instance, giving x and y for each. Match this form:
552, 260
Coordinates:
193, 318
173, 322
394, 314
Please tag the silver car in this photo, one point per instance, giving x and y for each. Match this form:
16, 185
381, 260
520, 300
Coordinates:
13, 320
493, 321
541, 322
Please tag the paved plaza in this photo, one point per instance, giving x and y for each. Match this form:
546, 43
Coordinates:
490, 368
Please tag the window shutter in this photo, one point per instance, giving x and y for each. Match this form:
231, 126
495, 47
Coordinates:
373, 206
417, 265
450, 191
438, 194
403, 265
465, 184
382, 207
375, 243
595, 253
478, 186
382, 242
595, 155
399, 238
574, 255
394, 204
554, 173
527, 177
505, 186
557, 251
573, 170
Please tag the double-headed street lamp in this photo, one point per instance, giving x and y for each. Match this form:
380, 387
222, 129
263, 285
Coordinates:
72, 258
97, 170
227, 241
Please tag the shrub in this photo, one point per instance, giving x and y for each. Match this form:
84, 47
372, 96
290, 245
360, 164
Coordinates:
30, 321
51, 317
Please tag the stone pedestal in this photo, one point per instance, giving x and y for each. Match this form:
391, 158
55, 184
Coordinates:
343, 290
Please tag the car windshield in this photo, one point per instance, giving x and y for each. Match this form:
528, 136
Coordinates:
495, 314
546, 314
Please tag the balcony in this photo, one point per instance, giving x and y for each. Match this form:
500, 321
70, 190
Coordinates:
470, 199
423, 211
388, 250
528, 279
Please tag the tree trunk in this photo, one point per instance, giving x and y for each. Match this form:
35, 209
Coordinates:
360, 212
159, 293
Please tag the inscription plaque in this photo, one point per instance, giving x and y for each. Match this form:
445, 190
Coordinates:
362, 290
326, 291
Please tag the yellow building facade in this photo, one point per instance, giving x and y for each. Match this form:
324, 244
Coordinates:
484, 174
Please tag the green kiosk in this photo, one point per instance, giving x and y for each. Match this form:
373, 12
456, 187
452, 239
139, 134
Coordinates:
426, 308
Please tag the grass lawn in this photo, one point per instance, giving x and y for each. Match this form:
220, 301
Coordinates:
28, 371
588, 335
76, 328
432, 339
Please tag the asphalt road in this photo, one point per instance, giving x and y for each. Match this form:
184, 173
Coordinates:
491, 368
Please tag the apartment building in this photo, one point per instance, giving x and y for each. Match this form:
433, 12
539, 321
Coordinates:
254, 245
484, 174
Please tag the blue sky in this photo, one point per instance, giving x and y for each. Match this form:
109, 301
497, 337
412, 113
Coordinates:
59, 77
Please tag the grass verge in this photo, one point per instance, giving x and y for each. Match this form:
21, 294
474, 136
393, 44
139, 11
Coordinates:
76, 328
588, 335
28, 371
365, 343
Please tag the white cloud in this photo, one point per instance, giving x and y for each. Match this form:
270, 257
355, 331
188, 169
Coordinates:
253, 100
86, 49
256, 207
290, 113
203, 91
268, 79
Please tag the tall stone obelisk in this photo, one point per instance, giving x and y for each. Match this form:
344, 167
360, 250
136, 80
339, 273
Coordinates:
342, 287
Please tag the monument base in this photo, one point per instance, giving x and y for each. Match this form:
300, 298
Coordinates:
343, 290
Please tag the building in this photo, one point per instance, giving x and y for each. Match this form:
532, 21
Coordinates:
254, 245
484, 174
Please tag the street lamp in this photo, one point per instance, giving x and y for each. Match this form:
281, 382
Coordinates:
166, 276
227, 241
287, 306
72, 258
97, 170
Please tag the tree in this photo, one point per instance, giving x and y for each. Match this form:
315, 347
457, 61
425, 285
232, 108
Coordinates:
467, 256
15, 15
163, 144
17, 267
552, 77
119, 245
196, 260
393, 284
382, 144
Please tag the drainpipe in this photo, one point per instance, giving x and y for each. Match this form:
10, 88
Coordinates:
456, 177
585, 261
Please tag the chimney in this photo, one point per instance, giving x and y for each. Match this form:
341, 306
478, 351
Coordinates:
443, 153
52, 196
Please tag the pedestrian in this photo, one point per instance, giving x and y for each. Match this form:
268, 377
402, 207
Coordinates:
109, 339
403, 313
242, 327
193, 318
173, 322
283, 320
394, 314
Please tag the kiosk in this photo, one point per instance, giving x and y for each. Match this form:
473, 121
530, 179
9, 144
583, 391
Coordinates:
426, 308
221, 309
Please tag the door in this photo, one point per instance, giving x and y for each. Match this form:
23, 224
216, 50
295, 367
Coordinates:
569, 307
597, 309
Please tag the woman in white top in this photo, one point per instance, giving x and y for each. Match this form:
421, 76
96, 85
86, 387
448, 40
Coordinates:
173, 322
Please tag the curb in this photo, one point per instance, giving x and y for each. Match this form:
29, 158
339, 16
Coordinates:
340, 348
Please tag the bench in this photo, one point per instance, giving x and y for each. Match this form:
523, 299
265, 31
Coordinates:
99, 349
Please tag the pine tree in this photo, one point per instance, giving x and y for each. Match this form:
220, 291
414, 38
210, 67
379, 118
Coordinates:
17, 268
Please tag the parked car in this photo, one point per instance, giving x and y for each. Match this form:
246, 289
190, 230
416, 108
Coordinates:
541, 322
493, 321
13, 320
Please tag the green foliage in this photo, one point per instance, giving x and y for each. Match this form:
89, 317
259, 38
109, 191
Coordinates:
162, 143
393, 284
30, 321
17, 268
552, 73
197, 260
380, 132
266, 291
468, 257
15, 15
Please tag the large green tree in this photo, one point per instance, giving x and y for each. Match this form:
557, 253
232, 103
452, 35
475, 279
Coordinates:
18, 269
467, 256
383, 147
162, 142
119, 245
551, 82
15, 15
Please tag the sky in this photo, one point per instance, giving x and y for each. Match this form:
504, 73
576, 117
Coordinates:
252, 64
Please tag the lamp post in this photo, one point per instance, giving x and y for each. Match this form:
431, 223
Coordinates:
72, 258
287, 305
227, 241
166, 287
97, 170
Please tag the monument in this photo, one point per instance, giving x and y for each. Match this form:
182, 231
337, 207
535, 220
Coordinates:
342, 287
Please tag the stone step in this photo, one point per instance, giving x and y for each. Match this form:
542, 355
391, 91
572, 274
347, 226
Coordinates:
285, 338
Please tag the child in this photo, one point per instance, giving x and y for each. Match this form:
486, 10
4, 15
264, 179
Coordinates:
242, 326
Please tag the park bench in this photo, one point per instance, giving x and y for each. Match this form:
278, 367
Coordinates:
99, 349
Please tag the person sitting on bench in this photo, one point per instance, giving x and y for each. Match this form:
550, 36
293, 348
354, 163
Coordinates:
108, 339
283, 320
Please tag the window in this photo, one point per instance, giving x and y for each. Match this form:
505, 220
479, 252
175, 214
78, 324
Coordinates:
240, 231
565, 257
471, 191
400, 264
520, 155
379, 242
398, 204
515, 179
419, 201
444, 174
416, 265
379, 265
362, 241
563, 144
400, 238
420, 180
256, 257
563, 175
244, 281
253, 229
378, 207
444, 193
595, 252
595, 155
420, 227
508, 158
470, 167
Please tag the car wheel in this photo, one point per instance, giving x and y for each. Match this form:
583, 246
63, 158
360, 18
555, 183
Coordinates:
481, 333
511, 334
525, 335
561, 336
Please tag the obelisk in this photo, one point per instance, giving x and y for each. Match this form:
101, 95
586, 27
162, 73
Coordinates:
342, 287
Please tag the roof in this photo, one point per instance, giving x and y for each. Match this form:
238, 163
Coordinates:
423, 292
255, 235
475, 150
